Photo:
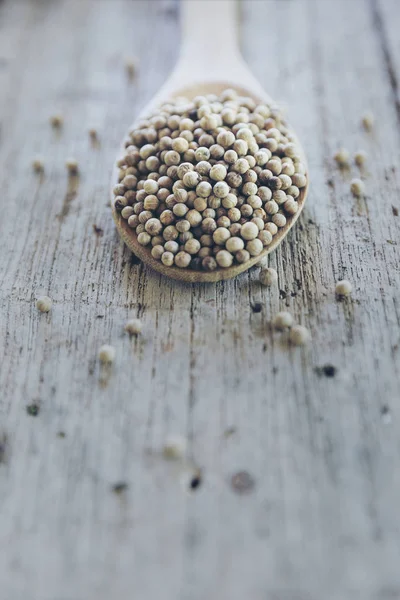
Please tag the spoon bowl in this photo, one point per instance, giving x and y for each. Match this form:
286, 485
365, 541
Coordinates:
189, 79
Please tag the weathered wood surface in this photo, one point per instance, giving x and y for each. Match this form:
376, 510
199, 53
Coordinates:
322, 521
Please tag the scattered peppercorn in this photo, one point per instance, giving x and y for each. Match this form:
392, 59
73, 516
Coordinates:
134, 326
174, 447
208, 183
342, 157
282, 320
343, 288
299, 335
368, 120
268, 276
106, 354
357, 187
360, 158
44, 304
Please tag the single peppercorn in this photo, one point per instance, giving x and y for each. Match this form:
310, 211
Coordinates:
268, 276
106, 354
343, 288
44, 304
175, 447
357, 187
360, 158
299, 335
368, 120
282, 320
133, 326
342, 157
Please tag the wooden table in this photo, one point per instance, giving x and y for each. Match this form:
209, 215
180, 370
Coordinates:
320, 518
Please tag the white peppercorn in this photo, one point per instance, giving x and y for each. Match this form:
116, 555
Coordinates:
360, 158
265, 237
234, 244
264, 193
44, 304
271, 207
221, 189
259, 222
368, 120
133, 326
254, 247
209, 263
182, 259
204, 189
242, 256
171, 246
299, 180
299, 335
221, 235
268, 276
282, 320
157, 252
272, 228
144, 239
342, 157
343, 288
291, 206
224, 258
249, 231
357, 187
150, 186
167, 259
293, 191
218, 173
174, 447
153, 226
192, 246
180, 145
106, 354
194, 218
279, 219
127, 212
157, 240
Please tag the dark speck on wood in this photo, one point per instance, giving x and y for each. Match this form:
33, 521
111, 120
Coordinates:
98, 230
33, 410
120, 487
242, 482
327, 370
256, 307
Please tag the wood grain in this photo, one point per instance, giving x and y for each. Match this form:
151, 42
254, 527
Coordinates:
322, 519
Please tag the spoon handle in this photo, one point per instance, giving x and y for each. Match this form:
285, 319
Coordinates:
209, 36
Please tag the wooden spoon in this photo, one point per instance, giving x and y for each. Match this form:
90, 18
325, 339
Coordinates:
210, 61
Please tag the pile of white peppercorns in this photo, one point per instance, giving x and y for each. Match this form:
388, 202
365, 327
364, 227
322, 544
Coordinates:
208, 183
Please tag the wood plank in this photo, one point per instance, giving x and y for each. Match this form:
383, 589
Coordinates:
322, 519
